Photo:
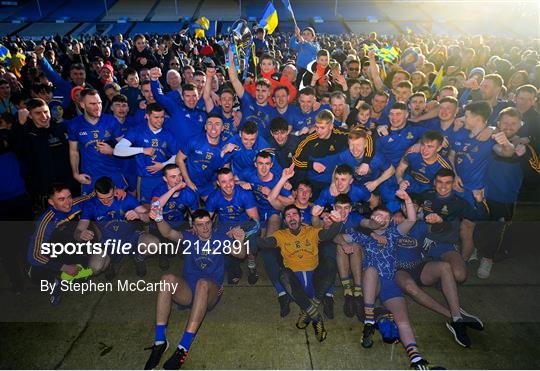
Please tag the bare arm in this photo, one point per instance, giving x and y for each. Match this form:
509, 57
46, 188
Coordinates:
167, 232
233, 76
181, 162
405, 226
207, 92
374, 72
74, 157
400, 170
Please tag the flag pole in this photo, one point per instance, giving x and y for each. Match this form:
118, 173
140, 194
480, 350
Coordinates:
293, 17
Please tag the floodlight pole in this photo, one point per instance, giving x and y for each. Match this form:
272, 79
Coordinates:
240, 7
335, 9
176, 7
106, 8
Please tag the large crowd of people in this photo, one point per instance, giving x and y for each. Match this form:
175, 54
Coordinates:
324, 159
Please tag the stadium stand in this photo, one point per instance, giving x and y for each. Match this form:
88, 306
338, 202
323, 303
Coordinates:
166, 10
40, 29
134, 10
224, 10
73, 11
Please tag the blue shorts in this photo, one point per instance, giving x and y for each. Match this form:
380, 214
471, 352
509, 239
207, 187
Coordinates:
306, 280
468, 196
192, 283
389, 289
387, 190
265, 214
438, 249
146, 186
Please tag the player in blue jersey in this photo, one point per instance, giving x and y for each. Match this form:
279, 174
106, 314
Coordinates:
256, 109
153, 147
471, 158
309, 108
454, 211
289, 112
504, 177
414, 272
283, 142
349, 259
342, 184
114, 219
377, 176
200, 286
261, 181
242, 148
92, 137
186, 121
201, 158
401, 135
57, 224
234, 207
175, 198
379, 277
416, 170
444, 123
120, 110
231, 119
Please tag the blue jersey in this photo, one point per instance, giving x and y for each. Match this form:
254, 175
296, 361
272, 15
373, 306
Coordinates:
306, 214
257, 185
421, 172
378, 165
204, 259
353, 221
307, 120
380, 256
233, 210
111, 220
203, 160
472, 159
261, 115
47, 223
292, 115
397, 142
185, 123
503, 179
409, 246
228, 125
163, 142
87, 135
242, 159
356, 194
176, 206
127, 125
434, 124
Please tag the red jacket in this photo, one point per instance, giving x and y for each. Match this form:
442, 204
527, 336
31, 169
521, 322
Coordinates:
276, 79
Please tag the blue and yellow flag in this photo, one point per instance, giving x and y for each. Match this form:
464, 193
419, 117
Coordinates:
388, 54
5, 54
200, 25
437, 83
269, 19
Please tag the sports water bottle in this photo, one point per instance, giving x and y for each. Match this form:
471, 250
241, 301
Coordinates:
157, 209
